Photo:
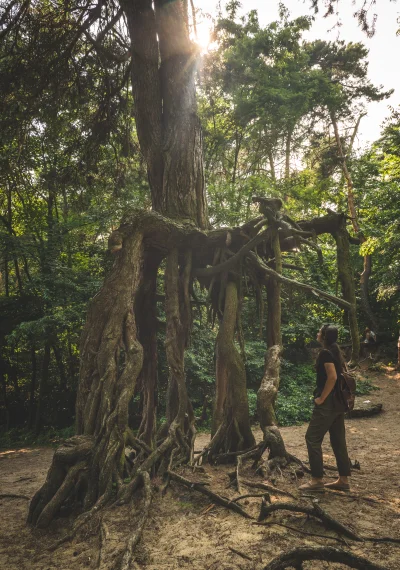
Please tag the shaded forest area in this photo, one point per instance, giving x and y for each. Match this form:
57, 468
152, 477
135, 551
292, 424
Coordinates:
71, 165
175, 227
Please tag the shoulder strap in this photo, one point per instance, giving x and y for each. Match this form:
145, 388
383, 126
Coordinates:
335, 360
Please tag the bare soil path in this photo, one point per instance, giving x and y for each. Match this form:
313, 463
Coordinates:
185, 531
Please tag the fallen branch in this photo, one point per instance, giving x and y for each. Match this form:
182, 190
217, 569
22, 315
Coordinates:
270, 488
314, 511
365, 412
258, 495
215, 498
301, 531
13, 496
297, 556
242, 554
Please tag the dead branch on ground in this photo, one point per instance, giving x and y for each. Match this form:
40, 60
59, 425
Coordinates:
297, 556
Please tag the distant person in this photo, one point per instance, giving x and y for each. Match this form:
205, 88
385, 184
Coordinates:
370, 336
326, 416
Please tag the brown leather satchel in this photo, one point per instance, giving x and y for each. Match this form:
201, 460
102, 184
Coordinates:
345, 390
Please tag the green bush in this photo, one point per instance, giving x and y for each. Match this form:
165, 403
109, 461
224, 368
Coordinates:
295, 399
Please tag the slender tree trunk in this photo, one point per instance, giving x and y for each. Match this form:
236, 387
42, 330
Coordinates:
44, 380
287, 153
274, 336
271, 164
364, 279
348, 290
10, 231
6, 276
61, 368
33, 388
269, 387
3, 383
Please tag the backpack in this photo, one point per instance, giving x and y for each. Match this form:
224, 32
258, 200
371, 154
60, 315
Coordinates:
344, 392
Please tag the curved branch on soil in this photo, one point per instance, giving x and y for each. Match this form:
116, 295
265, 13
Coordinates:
294, 558
314, 511
204, 491
270, 488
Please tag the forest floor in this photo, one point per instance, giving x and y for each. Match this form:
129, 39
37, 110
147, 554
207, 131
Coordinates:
185, 531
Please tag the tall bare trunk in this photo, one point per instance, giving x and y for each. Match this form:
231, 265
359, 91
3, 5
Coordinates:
347, 282
32, 388
364, 278
43, 386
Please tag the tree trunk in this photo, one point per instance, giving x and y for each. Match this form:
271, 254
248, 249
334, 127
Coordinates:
271, 164
364, 279
111, 359
348, 290
178, 313
287, 153
274, 314
3, 383
231, 423
60, 365
268, 391
146, 311
44, 380
33, 388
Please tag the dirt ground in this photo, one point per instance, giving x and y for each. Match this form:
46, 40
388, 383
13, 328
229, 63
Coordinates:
184, 531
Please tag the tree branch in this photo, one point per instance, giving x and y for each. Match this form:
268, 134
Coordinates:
264, 269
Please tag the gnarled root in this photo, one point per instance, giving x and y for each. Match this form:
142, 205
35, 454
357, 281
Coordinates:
295, 558
70, 462
127, 557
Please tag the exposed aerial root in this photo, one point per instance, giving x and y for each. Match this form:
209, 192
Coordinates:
69, 461
127, 557
295, 558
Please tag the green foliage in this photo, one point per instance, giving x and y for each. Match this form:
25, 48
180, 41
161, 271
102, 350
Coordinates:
17, 438
252, 399
365, 387
295, 399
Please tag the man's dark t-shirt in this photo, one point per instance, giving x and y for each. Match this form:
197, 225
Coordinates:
324, 357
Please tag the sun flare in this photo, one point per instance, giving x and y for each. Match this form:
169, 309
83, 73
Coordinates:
203, 37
